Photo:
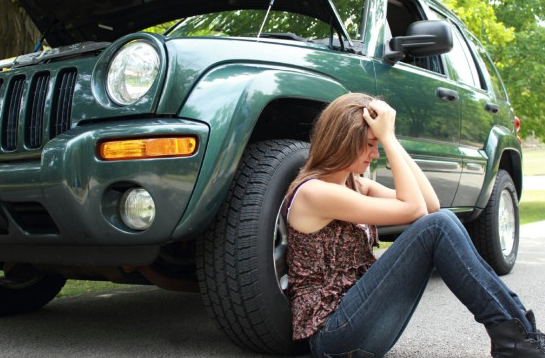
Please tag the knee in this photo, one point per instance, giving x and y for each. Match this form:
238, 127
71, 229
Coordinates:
448, 213
454, 218
440, 220
444, 217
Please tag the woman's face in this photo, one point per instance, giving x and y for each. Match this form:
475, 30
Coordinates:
368, 154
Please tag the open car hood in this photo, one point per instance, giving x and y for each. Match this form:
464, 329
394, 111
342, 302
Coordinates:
66, 22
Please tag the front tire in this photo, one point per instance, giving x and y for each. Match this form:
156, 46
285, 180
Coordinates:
241, 259
496, 231
22, 289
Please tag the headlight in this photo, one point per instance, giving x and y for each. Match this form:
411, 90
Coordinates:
132, 72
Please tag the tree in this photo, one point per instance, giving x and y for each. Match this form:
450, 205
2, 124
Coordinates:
480, 17
18, 35
513, 33
522, 62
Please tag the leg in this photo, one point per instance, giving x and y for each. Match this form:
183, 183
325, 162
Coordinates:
511, 338
374, 313
484, 263
493, 301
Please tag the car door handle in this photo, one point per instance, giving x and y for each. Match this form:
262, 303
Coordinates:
447, 94
492, 108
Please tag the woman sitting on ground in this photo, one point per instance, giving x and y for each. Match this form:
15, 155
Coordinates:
344, 301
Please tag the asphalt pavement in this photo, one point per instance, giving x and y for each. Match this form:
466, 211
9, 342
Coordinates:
150, 322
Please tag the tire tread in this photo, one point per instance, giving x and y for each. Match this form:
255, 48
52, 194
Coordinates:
226, 253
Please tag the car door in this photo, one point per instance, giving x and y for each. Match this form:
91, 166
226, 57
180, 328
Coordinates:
480, 109
428, 109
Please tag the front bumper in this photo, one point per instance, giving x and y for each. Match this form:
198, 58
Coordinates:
70, 197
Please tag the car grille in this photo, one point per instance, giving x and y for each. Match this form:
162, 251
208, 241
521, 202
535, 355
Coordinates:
27, 103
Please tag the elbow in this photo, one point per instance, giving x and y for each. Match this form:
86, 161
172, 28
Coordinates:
423, 211
434, 206
418, 212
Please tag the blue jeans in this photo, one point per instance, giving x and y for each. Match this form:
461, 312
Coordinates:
375, 311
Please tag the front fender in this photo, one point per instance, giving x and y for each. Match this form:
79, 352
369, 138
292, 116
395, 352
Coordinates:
503, 151
230, 99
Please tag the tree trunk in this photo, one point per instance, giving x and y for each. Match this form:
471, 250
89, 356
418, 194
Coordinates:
18, 35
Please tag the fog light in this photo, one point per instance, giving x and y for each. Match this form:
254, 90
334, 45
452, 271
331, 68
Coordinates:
137, 209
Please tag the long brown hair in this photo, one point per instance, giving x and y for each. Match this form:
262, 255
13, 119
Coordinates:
337, 139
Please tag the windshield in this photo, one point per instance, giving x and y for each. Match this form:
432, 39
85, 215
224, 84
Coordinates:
248, 23
279, 24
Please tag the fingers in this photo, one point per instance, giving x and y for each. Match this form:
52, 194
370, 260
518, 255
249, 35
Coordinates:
366, 115
380, 117
380, 107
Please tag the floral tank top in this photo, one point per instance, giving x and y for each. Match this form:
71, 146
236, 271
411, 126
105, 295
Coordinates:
323, 265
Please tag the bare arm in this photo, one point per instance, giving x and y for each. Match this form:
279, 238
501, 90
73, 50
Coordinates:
374, 189
318, 202
407, 188
430, 197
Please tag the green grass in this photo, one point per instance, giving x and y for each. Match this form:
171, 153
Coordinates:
533, 162
79, 287
532, 206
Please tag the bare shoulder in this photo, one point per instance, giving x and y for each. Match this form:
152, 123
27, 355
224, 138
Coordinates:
318, 198
312, 190
316, 189
304, 212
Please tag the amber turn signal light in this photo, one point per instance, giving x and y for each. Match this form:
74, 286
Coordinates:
148, 148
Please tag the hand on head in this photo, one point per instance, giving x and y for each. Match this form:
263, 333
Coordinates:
381, 119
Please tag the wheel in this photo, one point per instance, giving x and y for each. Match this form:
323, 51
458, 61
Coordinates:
22, 289
496, 231
241, 259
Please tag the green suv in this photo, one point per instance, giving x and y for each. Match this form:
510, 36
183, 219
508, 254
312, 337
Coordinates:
163, 159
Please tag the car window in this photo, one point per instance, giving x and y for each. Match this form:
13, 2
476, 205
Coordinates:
462, 60
351, 13
492, 73
248, 23
280, 24
400, 15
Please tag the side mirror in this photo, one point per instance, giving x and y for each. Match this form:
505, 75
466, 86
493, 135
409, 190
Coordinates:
424, 38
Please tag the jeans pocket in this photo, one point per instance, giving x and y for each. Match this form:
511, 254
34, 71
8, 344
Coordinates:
356, 353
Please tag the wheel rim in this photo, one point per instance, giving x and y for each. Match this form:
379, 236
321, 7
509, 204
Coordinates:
506, 222
18, 283
280, 247
16, 277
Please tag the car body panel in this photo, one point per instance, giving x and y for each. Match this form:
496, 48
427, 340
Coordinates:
428, 125
233, 117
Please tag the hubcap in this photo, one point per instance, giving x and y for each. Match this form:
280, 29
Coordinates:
506, 222
17, 277
280, 246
